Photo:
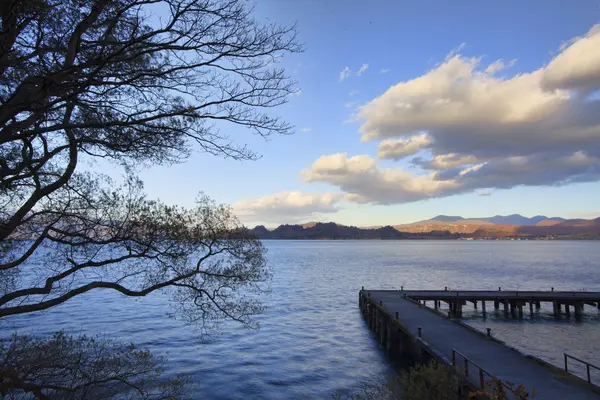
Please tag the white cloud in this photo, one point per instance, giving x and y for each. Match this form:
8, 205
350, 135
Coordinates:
364, 182
346, 72
471, 113
362, 70
288, 207
475, 130
498, 66
577, 66
399, 148
384, 70
350, 104
353, 92
484, 193
305, 130
445, 161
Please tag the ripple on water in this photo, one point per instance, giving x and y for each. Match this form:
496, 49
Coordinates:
313, 341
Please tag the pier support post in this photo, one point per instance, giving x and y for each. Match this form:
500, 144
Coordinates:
436, 305
458, 308
496, 304
538, 305
475, 304
567, 310
531, 309
520, 308
513, 308
556, 308
483, 307
578, 309
505, 307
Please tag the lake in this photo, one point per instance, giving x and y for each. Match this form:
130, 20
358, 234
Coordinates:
313, 340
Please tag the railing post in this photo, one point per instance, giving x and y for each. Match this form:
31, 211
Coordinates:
453, 358
481, 380
396, 314
466, 367
420, 330
566, 367
588, 372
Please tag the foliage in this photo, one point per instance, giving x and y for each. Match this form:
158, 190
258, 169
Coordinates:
431, 381
81, 367
133, 83
500, 390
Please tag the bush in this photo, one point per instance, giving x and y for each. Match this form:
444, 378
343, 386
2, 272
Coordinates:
432, 381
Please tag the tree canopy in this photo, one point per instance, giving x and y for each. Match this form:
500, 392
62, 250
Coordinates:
134, 82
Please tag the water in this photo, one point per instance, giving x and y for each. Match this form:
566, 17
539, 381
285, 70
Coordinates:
312, 339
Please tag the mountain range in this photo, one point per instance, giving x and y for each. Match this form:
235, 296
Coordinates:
445, 227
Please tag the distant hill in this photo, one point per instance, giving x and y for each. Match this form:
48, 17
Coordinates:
442, 227
332, 230
517, 219
573, 228
446, 218
514, 219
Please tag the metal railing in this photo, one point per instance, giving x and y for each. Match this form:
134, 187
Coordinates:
587, 366
482, 372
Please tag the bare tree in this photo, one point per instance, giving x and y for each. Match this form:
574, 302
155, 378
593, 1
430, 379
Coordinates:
135, 82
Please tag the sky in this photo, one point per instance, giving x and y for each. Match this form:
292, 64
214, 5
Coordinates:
410, 109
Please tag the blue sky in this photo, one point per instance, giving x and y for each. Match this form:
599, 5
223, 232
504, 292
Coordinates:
401, 41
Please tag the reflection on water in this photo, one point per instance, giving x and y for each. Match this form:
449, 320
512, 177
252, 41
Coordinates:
312, 339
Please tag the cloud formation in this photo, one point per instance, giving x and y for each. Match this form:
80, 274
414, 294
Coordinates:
364, 182
384, 70
346, 72
475, 130
362, 70
289, 207
305, 130
396, 149
467, 127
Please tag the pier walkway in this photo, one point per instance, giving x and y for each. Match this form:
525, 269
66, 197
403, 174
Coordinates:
453, 342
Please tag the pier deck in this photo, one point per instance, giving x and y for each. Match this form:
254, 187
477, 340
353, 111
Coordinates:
444, 336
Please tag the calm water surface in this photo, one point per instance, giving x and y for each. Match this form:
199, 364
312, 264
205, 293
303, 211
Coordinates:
312, 339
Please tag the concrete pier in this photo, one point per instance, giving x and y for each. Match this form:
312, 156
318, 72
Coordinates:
512, 301
407, 329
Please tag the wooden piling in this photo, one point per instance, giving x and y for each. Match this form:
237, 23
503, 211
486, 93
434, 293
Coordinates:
496, 304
